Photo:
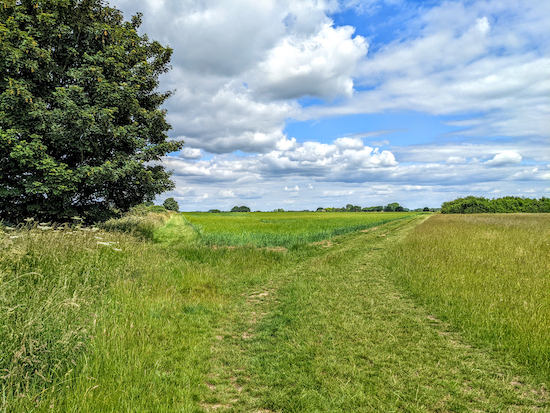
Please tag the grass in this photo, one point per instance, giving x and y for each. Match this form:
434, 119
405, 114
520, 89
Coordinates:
489, 275
95, 321
272, 229
334, 334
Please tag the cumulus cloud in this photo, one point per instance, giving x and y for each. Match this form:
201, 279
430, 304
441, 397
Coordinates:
349, 143
344, 157
190, 153
461, 59
505, 158
239, 65
320, 65
229, 119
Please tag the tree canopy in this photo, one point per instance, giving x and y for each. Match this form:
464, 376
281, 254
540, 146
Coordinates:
171, 204
508, 204
240, 209
80, 114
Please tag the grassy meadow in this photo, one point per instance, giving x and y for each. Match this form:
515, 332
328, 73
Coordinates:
155, 316
489, 275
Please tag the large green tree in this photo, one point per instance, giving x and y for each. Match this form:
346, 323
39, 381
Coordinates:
80, 113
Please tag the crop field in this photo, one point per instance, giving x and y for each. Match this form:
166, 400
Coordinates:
488, 274
272, 229
397, 312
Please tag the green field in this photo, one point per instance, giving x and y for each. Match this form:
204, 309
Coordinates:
272, 229
403, 316
488, 274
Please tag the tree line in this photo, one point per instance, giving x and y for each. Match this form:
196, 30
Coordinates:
508, 204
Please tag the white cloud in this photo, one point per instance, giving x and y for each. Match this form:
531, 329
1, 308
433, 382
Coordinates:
292, 189
190, 153
226, 193
505, 158
349, 143
320, 65
455, 160
241, 65
466, 58
238, 66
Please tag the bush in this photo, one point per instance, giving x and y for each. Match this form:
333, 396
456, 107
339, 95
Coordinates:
240, 209
171, 205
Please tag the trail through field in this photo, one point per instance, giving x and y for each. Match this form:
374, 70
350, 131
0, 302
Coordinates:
334, 334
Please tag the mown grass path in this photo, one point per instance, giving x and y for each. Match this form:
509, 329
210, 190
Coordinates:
334, 334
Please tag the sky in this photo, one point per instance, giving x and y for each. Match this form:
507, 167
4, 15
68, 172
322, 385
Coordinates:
300, 104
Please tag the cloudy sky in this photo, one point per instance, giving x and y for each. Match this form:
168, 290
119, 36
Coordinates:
297, 104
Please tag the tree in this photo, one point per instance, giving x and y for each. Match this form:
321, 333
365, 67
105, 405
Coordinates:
171, 204
240, 209
80, 117
392, 207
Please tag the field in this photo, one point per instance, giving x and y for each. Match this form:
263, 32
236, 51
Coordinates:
489, 275
404, 315
272, 229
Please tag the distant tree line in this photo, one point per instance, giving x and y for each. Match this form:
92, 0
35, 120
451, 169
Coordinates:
393, 207
475, 205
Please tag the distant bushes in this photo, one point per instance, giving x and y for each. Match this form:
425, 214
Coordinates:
509, 204
240, 209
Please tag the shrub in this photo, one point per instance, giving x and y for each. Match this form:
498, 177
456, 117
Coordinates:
171, 205
240, 209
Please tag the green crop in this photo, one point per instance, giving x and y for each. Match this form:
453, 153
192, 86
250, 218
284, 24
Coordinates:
272, 229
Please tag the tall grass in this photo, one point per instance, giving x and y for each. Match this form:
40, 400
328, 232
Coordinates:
489, 275
267, 229
52, 283
138, 223
104, 321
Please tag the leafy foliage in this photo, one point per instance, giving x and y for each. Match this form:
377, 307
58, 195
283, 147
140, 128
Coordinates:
393, 207
240, 209
171, 204
80, 115
474, 205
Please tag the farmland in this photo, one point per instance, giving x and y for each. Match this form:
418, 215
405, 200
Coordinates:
489, 275
386, 312
270, 229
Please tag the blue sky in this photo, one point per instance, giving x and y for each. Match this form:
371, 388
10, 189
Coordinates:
300, 104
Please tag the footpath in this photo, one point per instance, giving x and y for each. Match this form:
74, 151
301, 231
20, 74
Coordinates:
335, 335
